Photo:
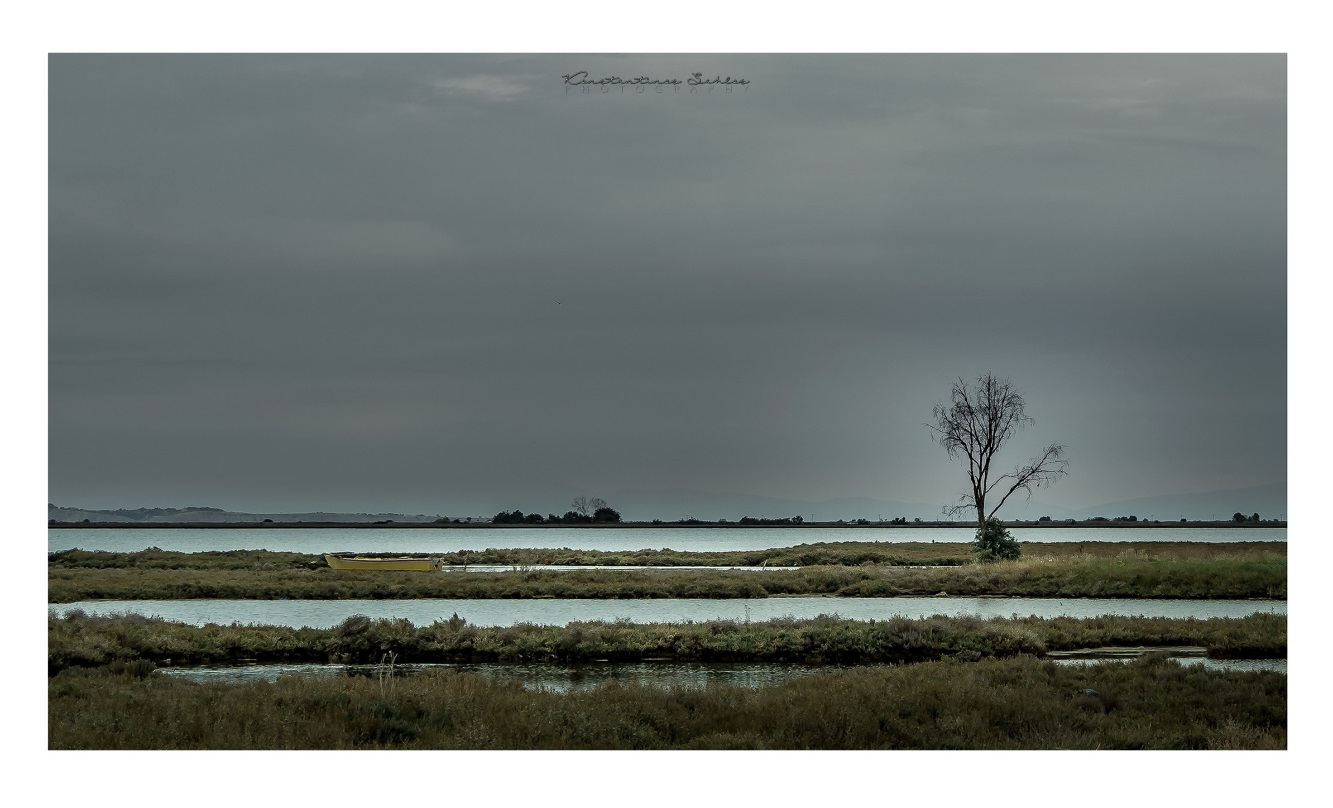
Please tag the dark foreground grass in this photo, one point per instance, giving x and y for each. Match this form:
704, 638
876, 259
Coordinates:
1125, 576
82, 641
1020, 703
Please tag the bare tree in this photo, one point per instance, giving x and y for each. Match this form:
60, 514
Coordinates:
587, 506
975, 425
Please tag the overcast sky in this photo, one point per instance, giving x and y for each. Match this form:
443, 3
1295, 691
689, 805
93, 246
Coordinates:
451, 284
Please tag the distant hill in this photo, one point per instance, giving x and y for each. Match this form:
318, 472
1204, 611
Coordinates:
670, 506
1269, 501
204, 514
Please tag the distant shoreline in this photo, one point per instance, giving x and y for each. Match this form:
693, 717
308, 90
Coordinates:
1052, 525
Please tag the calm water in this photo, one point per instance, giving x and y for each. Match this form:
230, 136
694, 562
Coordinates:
563, 678
448, 540
584, 567
559, 612
558, 678
1247, 665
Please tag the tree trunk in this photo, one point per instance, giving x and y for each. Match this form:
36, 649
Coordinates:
979, 499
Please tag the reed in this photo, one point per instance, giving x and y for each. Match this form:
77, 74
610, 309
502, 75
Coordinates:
78, 640
1056, 576
844, 553
1018, 703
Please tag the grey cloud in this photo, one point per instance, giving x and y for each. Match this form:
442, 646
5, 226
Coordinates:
489, 288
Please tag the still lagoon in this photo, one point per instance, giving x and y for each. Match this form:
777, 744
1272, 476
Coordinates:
428, 540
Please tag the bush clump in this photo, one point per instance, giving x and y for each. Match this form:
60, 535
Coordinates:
994, 543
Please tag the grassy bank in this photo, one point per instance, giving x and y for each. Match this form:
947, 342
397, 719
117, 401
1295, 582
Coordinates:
1017, 703
847, 553
1126, 576
82, 641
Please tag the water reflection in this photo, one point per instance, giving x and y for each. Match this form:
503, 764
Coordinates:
585, 567
428, 540
563, 678
1276, 665
558, 678
559, 612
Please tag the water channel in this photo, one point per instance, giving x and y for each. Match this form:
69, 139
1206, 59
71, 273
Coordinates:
564, 678
487, 613
427, 540
561, 611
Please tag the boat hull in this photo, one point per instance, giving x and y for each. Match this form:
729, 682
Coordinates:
394, 564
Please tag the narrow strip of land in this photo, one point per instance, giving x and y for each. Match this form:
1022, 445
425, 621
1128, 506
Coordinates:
844, 569
87, 641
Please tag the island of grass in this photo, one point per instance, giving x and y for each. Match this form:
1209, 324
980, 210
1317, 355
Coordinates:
1196, 570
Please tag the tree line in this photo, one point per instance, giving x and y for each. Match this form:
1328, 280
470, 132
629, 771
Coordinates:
583, 511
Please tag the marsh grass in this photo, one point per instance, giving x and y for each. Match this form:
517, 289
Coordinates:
1131, 573
79, 640
845, 553
154, 558
1018, 703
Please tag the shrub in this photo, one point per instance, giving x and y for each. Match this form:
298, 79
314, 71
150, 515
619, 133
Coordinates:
994, 543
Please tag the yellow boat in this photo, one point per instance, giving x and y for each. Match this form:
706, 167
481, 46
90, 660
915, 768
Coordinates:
360, 563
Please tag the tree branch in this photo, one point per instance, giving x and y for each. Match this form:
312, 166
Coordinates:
977, 422
1047, 468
